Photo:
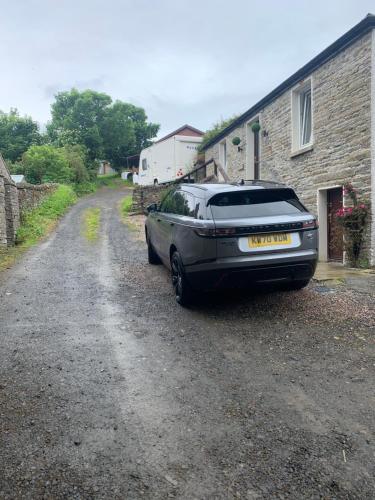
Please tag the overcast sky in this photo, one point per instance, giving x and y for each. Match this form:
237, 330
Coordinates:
190, 61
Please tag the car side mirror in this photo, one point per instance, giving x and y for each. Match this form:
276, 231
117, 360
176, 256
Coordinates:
152, 208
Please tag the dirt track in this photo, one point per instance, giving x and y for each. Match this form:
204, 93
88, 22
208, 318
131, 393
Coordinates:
108, 389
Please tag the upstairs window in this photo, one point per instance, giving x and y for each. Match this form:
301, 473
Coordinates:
144, 164
302, 133
305, 117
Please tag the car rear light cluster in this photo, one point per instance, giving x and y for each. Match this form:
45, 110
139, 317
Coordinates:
222, 232
310, 224
216, 232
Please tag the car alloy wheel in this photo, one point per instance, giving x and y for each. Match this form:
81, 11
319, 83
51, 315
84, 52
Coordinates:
180, 284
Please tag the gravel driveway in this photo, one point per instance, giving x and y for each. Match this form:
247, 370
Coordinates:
108, 389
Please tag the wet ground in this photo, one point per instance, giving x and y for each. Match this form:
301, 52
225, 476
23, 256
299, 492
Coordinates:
109, 389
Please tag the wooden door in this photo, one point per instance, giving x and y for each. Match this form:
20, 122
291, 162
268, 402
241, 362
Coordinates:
335, 234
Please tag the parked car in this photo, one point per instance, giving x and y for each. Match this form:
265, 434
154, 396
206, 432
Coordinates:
229, 235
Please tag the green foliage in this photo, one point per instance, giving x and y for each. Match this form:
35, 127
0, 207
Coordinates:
76, 155
46, 164
215, 130
17, 134
126, 205
77, 118
91, 221
110, 130
353, 220
36, 223
16, 168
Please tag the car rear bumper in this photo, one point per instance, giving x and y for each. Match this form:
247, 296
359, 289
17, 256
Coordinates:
243, 271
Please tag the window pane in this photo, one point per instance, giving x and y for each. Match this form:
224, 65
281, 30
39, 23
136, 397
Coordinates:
305, 117
179, 203
255, 204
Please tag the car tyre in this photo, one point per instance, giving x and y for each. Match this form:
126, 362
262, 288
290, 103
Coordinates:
181, 286
153, 257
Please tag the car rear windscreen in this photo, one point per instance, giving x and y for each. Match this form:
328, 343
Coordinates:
255, 203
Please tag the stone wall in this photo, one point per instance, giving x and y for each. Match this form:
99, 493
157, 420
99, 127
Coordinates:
30, 195
145, 195
9, 208
341, 149
12, 212
14, 200
3, 225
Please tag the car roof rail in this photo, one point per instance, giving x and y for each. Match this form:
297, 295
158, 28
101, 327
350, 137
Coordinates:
243, 182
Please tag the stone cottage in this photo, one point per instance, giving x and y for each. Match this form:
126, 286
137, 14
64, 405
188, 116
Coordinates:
314, 132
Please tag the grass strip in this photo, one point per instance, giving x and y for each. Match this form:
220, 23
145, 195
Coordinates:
38, 222
91, 222
111, 181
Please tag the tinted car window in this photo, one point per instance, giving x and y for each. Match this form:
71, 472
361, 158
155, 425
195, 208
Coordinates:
256, 203
166, 204
180, 203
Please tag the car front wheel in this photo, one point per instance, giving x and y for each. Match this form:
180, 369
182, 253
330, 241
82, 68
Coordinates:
180, 284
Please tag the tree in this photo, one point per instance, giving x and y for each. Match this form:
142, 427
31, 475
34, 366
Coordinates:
109, 131
17, 134
77, 118
76, 155
215, 130
46, 164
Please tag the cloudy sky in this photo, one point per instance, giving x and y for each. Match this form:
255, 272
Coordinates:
184, 61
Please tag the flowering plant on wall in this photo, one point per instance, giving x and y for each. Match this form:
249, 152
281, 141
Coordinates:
353, 221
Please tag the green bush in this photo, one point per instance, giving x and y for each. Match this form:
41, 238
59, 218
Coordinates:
36, 222
46, 164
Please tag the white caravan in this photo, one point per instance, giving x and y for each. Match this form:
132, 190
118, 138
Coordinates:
170, 157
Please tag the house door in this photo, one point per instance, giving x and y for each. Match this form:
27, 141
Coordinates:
335, 234
253, 150
256, 153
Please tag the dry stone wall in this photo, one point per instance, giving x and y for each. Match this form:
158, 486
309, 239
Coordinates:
30, 195
145, 195
14, 200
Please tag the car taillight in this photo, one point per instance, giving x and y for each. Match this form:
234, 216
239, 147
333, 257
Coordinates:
225, 231
216, 233
310, 224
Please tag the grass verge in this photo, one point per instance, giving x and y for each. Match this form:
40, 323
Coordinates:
37, 223
125, 208
135, 223
109, 181
91, 223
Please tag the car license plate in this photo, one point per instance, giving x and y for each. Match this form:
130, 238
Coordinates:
267, 240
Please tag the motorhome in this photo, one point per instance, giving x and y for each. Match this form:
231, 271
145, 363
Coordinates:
170, 157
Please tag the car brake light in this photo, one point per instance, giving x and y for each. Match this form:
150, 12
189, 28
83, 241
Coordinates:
215, 233
225, 231
310, 224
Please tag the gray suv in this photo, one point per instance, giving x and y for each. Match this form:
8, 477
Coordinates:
232, 235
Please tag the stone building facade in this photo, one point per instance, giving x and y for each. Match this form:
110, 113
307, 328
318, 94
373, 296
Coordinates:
314, 132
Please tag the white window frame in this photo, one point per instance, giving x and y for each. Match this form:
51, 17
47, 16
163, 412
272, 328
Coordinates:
298, 146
